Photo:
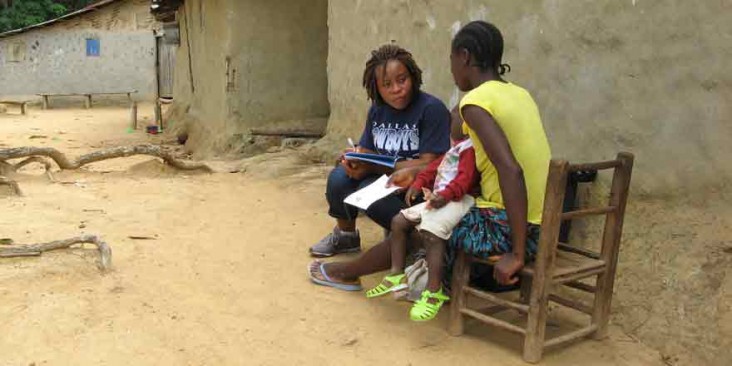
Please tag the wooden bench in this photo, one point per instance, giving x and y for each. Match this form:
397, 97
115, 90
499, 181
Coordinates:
88, 97
557, 265
20, 104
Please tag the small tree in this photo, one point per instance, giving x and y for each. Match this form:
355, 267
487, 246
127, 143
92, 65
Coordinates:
23, 13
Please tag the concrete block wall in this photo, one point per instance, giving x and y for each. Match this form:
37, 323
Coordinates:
54, 60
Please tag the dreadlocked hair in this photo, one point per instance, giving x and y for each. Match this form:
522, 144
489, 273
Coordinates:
485, 43
380, 57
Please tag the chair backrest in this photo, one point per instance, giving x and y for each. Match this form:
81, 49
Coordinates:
614, 211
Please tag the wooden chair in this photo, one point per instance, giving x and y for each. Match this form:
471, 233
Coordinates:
556, 264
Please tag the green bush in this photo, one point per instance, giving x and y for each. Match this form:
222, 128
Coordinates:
23, 13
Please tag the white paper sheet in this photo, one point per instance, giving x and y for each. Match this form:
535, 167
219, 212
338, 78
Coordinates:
373, 192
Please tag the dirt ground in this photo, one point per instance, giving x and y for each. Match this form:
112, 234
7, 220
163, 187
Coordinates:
222, 283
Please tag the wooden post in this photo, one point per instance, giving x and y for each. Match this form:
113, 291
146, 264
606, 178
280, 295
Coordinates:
158, 114
88, 103
460, 278
133, 115
158, 107
544, 265
611, 244
22, 108
46, 105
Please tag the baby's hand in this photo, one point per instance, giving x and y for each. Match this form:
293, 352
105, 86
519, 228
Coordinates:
411, 195
436, 202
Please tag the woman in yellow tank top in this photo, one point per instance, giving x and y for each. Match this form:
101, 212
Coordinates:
512, 154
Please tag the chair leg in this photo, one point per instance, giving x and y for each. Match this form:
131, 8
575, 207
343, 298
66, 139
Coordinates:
535, 328
611, 244
525, 289
460, 278
601, 306
536, 322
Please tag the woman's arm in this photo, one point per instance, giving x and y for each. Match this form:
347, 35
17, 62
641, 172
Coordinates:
512, 184
424, 160
359, 170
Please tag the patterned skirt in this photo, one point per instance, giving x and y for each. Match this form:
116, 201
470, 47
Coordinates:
485, 232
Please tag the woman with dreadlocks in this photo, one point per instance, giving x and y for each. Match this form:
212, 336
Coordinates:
403, 122
512, 156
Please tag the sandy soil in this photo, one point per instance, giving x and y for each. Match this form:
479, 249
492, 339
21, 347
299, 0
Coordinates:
224, 281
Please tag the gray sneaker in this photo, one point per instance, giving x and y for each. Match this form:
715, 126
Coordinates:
337, 242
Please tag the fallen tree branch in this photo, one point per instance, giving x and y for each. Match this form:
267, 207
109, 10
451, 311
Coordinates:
31, 250
4, 181
303, 134
5, 168
36, 159
117, 152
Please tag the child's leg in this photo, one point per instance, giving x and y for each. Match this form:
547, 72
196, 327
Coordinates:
400, 230
436, 228
402, 226
427, 307
435, 257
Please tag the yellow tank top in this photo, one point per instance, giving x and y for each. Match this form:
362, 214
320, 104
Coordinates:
516, 113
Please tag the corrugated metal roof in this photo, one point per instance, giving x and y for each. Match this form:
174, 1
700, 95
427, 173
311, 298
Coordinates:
164, 9
88, 8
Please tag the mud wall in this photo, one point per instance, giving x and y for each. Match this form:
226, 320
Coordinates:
278, 51
200, 81
54, 59
249, 64
608, 75
642, 76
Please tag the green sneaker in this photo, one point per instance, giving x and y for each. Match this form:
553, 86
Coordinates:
388, 284
424, 310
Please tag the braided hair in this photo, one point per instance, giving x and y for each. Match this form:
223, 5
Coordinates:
381, 57
484, 42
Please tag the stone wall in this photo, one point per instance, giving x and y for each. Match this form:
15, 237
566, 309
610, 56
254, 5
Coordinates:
53, 59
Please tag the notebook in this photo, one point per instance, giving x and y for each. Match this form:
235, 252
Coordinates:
384, 160
363, 198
